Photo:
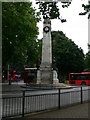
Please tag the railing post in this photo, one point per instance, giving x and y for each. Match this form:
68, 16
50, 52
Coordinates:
59, 98
81, 95
23, 103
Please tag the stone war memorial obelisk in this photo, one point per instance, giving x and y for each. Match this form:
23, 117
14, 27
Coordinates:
46, 73
46, 70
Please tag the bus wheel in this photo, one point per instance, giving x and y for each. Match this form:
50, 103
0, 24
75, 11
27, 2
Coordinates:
83, 83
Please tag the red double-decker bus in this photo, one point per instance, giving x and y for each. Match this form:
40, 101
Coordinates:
82, 78
30, 75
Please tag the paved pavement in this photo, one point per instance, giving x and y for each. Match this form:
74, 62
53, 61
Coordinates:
14, 86
75, 111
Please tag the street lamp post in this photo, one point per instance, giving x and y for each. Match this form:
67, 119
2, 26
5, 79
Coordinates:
9, 79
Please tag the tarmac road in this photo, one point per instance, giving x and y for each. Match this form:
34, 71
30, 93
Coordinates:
16, 90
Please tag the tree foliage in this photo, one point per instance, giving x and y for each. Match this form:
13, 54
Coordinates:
87, 62
69, 58
19, 33
87, 10
34, 53
50, 10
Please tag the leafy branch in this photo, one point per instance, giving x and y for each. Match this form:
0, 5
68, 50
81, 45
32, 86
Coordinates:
87, 10
50, 10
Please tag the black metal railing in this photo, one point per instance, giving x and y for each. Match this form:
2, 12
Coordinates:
28, 103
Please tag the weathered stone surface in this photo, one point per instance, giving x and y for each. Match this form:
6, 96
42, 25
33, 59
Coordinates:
46, 72
55, 77
46, 45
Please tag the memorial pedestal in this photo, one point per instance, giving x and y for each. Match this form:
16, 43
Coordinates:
46, 75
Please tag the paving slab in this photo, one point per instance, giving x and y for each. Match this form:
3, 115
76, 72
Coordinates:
75, 111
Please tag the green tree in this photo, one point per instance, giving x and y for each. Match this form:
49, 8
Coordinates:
34, 53
19, 32
87, 62
69, 58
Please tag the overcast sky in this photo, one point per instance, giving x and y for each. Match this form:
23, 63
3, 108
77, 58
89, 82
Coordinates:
76, 27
